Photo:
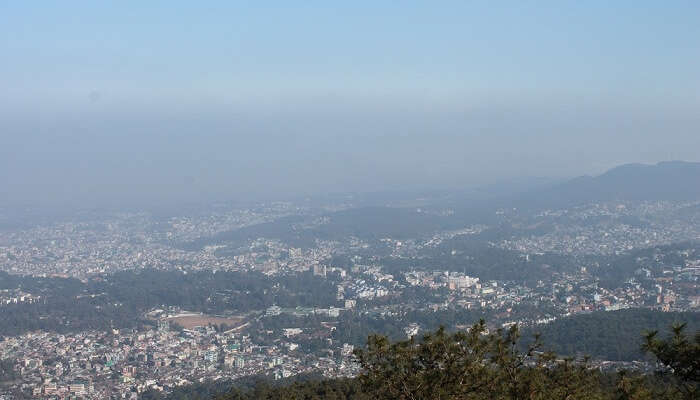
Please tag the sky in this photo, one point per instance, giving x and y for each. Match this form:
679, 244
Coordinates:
130, 102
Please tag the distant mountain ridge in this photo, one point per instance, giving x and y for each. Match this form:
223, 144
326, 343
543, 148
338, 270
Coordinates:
668, 180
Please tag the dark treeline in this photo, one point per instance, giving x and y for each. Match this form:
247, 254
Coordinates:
119, 300
66, 314
354, 328
608, 335
7, 371
478, 258
615, 270
369, 223
255, 386
34, 285
216, 292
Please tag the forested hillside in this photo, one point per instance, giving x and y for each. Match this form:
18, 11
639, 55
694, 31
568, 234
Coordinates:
608, 335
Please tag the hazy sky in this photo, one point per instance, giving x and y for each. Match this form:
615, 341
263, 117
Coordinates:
147, 101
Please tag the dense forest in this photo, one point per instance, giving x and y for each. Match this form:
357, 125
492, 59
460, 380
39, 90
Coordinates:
119, 300
254, 386
7, 371
608, 335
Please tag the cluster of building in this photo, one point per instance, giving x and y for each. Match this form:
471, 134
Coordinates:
124, 363
106, 244
605, 229
17, 296
435, 279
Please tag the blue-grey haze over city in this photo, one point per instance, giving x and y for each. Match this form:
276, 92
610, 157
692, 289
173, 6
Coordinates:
178, 101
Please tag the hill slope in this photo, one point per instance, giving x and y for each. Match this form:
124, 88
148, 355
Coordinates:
609, 335
670, 180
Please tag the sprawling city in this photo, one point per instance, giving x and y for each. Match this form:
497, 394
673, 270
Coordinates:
286, 289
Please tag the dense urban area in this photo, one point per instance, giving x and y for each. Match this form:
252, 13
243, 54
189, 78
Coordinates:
128, 304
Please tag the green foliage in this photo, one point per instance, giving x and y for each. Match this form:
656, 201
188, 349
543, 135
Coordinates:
679, 354
197, 391
7, 371
120, 299
355, 327
471, 365
609, 335
335, 389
